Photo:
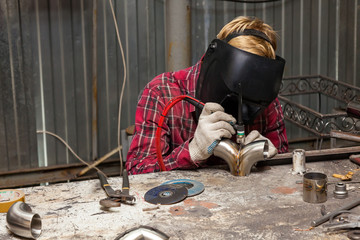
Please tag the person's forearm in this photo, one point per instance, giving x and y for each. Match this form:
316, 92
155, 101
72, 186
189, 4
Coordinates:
179, 158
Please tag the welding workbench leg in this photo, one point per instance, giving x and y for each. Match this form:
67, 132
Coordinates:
332, 142
318, 144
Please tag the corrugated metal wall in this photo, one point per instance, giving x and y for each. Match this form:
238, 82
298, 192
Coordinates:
51, 70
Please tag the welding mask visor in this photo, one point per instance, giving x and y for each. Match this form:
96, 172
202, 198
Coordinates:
225, 67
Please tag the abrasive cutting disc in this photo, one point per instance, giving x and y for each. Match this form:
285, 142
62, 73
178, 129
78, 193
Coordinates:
166, 194
193, 187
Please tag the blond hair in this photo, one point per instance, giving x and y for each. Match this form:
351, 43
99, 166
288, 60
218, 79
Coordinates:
250, 43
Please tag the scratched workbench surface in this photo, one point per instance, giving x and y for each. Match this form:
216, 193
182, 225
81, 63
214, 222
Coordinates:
267, 204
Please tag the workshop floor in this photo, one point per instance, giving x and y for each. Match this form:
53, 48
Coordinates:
267, 204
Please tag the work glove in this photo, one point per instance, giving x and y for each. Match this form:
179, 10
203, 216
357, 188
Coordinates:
256, 136
214, 124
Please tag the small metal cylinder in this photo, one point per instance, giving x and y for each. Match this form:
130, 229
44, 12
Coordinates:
315, 187
298, 159
340, 191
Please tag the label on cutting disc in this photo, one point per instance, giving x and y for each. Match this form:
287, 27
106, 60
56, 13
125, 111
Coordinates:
193, 187
166, 194
8, 197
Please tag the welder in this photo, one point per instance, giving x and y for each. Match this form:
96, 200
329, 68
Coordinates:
238, 79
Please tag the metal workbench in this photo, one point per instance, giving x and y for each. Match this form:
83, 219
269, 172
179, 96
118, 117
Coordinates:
267, 204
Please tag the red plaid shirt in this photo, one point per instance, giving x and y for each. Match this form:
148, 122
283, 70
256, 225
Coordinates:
179, 125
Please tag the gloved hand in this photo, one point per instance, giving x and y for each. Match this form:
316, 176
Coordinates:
213, 125
254, 135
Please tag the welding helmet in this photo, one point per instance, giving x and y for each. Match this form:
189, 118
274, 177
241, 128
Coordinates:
230, 75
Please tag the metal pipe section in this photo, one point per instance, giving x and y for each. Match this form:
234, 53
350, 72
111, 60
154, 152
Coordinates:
251, 154
228, 151
143, 232
248, 155
178, 20
22, 221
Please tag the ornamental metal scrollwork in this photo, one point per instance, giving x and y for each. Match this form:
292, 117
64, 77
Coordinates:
348, 94
311, 120
344, 124
315, 84
301, 85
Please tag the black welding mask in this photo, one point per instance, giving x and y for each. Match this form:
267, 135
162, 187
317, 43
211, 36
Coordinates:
230, 76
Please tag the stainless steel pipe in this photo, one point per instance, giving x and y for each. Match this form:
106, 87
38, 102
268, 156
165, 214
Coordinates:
22, 221
143, 232
315, 187
241, 161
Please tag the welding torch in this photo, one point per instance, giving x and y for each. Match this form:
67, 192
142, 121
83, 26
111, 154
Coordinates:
200, 105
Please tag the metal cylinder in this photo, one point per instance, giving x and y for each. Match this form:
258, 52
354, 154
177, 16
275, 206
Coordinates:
298, 160
340, 191
178, 34
22, 221
315, 187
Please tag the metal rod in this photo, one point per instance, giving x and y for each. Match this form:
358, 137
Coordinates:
315, 155
328, 216
345, 135
106, 156
94, 85
240, 117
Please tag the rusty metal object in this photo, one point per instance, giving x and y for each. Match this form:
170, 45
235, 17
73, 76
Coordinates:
345, 135
311, 119
53, 174
314, 156
334, 213
353, 108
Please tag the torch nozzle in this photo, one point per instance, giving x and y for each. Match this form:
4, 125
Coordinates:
240, 134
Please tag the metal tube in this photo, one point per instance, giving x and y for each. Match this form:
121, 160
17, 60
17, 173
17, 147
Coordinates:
248, 156
228, 151
21, 221
178, 34
94, 116
251, 154
328, 216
